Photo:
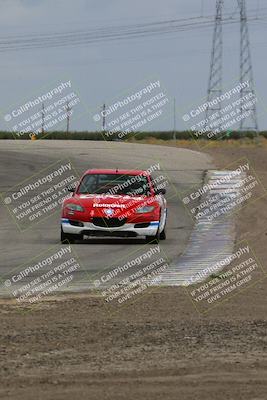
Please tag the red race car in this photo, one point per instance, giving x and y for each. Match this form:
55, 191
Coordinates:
119, 203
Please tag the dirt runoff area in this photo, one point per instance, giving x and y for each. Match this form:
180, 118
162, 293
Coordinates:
156, 348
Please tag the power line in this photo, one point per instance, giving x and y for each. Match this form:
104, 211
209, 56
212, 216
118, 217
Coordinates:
99, 35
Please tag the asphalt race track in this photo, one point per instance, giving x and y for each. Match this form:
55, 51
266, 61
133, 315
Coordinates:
21, 159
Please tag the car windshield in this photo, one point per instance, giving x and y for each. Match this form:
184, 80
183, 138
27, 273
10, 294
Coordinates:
132, 185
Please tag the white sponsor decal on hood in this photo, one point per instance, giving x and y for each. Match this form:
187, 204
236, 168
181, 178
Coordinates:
109, 205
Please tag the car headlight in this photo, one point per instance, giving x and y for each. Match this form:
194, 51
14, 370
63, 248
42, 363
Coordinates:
145, 209
74, 207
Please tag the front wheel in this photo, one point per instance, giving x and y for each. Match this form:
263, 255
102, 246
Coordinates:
157, 237
69, 237
162, 235
153, 238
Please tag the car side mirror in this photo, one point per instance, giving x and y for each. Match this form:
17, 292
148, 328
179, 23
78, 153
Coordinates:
160, 191
70, 189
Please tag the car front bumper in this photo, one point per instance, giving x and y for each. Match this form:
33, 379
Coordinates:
128, 229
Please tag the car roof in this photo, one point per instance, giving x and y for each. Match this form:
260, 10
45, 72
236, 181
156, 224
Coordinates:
116, 171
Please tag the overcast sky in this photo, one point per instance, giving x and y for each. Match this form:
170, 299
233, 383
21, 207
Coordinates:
100, 72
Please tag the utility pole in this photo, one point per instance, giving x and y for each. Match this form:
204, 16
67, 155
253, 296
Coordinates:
174, 119
104, 118
68, 109
43, 116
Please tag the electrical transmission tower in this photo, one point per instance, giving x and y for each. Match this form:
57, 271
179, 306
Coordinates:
248, 116
216, 62
246, 73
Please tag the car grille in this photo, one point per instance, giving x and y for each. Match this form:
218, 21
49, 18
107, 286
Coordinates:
108, 222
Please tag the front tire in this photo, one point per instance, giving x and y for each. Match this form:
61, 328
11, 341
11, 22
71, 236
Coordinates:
69, 237
154, 238
162, 235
